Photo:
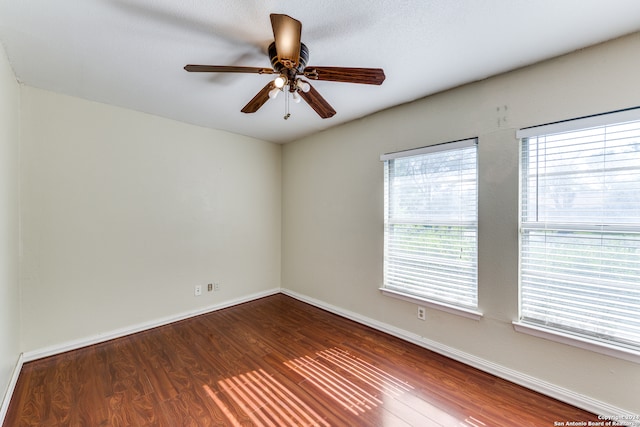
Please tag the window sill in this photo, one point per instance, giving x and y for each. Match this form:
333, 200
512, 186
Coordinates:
464, 312
576, 341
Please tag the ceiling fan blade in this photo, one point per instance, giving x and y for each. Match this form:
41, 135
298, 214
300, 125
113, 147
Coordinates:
317, 102
287, 33
369, 76
226, 69
259, 100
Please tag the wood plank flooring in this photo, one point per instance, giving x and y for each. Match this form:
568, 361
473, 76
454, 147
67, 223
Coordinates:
270, 362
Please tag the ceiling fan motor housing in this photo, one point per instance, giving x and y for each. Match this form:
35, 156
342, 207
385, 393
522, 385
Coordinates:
280, 67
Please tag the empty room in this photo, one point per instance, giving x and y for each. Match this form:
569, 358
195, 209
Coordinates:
410, 213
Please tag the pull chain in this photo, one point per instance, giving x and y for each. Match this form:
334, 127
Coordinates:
286, 105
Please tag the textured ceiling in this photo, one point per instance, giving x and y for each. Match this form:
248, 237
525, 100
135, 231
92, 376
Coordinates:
131, 53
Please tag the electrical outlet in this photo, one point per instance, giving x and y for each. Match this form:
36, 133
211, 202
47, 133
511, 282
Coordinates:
216, 287
422, 313
209, 287
198, 290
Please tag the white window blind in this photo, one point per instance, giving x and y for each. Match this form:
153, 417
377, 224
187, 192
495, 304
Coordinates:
430, 223
580, 228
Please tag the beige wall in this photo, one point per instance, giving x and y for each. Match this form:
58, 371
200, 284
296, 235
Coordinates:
9, 222
123, 213
333, 219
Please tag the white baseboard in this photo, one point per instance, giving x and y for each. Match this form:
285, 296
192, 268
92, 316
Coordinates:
4, 407
543, 387
102, 337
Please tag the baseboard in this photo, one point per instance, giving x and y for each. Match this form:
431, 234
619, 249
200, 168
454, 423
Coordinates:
543, 387
30, 356
4, 407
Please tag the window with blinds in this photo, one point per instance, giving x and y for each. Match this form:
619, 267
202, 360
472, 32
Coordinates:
431, 223
580, 228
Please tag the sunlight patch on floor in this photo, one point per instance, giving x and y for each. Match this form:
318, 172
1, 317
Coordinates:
353, 383
264, 400
417, 411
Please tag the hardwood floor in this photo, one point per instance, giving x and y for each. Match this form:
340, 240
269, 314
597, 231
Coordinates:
271, 362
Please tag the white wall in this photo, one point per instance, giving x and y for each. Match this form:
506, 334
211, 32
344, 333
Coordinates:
333, 218
9, 223
123, 213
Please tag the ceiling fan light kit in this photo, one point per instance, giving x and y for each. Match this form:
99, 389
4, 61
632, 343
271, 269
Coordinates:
289, 58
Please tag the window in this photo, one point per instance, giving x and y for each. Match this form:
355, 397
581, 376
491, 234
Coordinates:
431, 225
580, 229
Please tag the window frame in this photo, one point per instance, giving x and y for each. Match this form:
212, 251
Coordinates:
464, 311
554, 333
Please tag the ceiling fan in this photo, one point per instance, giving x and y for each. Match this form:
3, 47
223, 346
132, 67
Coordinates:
289, 58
